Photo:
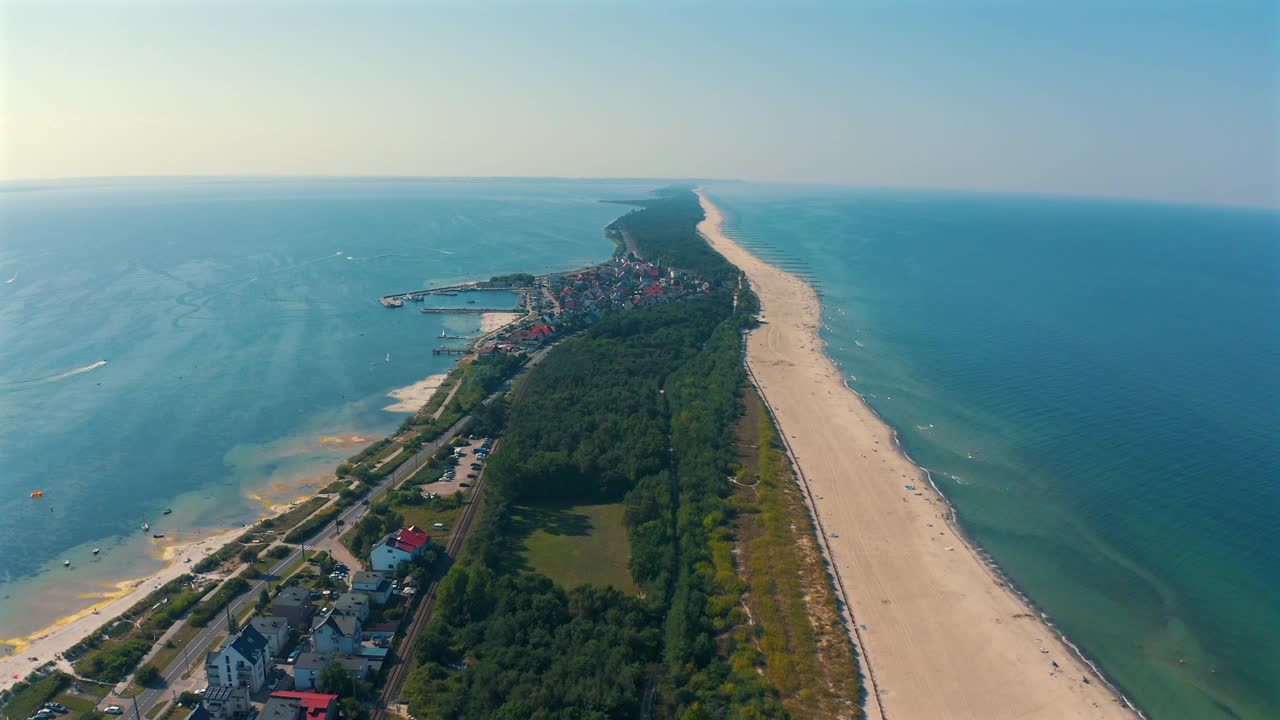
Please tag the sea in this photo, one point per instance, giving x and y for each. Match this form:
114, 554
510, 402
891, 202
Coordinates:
215, 347
1095, 386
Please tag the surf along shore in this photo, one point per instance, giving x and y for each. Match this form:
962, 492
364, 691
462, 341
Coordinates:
939, 632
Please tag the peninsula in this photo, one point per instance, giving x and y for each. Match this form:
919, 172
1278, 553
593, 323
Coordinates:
627, 520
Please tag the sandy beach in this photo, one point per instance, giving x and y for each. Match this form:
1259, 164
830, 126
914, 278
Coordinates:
491, 321
55, 639
411, 398
940, 634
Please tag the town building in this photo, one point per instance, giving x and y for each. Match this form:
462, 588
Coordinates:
337, 633
307, 669
401, 545
294, 605
275, 630
225, 703
373, 583
353, 604
311, 705
241, 661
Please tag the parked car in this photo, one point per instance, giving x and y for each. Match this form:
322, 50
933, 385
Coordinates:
56, 707
464, 484
476, 466
471, 476
113, 710
293, 656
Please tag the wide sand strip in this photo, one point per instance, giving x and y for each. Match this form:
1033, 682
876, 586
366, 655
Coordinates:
68, 631
413, 397
941, 636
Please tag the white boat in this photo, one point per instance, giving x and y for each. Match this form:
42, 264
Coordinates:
97, 550
145, 526
388, 357
66, 563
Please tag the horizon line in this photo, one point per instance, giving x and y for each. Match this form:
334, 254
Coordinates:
941, 189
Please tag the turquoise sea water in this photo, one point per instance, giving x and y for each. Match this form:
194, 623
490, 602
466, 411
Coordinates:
240, 326
1094, 385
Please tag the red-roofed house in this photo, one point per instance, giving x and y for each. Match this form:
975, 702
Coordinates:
314, 706
401, 545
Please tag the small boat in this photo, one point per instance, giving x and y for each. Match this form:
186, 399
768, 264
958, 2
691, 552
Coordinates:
471, 302
145, 526
97, 550
66, 563
37, 493
157, 535
388, 357
168, 511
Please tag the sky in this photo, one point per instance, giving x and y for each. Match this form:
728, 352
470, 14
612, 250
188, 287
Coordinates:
1169, 100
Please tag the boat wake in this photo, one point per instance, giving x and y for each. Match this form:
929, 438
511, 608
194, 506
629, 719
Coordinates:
51, 378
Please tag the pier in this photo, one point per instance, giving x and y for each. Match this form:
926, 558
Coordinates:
431, 310
446, 350
396, 300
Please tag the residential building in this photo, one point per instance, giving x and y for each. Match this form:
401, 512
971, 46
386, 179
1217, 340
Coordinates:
353, 604
280, 709
401, 545
199, 714
307, 669
241, 661
275, 630
294, 605
373, 583
337, 633
225, 703
312, 705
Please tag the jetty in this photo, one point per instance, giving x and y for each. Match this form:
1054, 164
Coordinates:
396, 300
446, 350
431, 310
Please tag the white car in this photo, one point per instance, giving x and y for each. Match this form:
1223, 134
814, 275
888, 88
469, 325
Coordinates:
113, 710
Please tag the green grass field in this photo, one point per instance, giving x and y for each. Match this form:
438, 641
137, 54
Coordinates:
575, 544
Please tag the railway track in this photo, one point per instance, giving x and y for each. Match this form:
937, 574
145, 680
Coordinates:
400, 671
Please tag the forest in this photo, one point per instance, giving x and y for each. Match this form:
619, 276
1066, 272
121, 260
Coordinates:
637, 408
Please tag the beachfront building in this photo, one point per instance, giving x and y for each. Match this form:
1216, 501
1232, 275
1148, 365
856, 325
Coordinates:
401, 545
373, 583
275, 630
241, 661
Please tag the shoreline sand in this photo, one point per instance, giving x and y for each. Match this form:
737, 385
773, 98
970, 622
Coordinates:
939, 632
492, 321
411, 398
64, 632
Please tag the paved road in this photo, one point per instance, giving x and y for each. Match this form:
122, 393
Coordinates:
200, 645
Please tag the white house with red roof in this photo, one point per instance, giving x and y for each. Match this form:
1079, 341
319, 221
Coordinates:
401, 545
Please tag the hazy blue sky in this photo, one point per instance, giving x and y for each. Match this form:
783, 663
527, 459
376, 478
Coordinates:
1166, 99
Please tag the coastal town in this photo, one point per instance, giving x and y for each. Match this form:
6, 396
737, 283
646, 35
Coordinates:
560, 303
321, 633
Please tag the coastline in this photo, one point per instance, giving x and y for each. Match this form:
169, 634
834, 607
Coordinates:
411, 398
940, 633
64, 632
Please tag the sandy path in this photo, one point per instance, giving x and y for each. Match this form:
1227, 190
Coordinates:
943, 637
70, 630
